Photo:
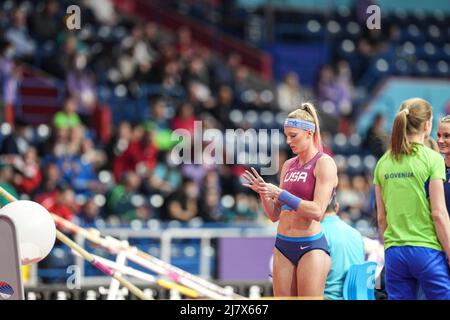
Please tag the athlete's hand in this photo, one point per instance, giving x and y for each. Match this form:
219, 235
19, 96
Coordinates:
254, 181
271, 191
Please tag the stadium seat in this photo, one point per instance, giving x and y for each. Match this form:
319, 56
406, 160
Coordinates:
360, 282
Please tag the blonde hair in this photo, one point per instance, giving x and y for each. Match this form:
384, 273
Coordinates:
431, 143
413, 113
445, 119
308, 112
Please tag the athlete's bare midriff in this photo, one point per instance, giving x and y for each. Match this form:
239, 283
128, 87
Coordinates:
291, 224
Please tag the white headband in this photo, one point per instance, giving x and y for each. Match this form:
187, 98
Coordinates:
300, 124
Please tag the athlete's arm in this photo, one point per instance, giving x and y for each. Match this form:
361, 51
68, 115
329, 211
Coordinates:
272, 207
326, 180
381, 212
276, 205
440, 214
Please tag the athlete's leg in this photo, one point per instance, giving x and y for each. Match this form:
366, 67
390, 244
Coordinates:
400, 283
283, 276
312, 272
431, 269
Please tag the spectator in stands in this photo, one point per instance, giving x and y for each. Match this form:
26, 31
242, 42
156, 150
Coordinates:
81, 175
171, 75
18, 142
141, 154
121, 164
375, 140
289, 92
223, 108
241, 87
46, 21
326, 90
185, 118
127, 63
19, 35
81, 86
49, 183
229, 179
182, 205
165, 178
245, 210
211, 181
152, 38
362, 190
6, 179
28, 174
211, 209
140, 50
76, 137
225, 73
89, 213
57, 147
344, 86
185, 46
195, 170
143, 74
63, 203
68, 45
96, 157
76, 169
120, 201
363, 58
119, 142
158, 119
68, 117
346, 249
197, 72
199, 96
10, 73
346, 196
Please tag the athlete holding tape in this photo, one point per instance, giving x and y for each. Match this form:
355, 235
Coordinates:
307, 183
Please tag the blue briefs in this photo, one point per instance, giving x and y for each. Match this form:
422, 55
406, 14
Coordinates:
294, 248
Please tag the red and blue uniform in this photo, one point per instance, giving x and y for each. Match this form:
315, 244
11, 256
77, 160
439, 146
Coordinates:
300, 181
446, 188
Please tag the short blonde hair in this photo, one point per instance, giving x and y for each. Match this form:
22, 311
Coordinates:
445, 119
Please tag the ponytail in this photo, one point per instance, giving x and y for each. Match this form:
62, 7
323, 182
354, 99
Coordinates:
308, 112
399, 142
312, 111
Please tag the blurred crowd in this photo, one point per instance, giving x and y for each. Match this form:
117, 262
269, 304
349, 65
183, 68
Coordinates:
133, 176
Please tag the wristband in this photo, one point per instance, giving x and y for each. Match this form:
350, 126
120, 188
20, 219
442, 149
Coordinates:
289, 199
286, 207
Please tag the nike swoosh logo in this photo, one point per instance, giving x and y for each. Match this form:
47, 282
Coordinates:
303, 248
